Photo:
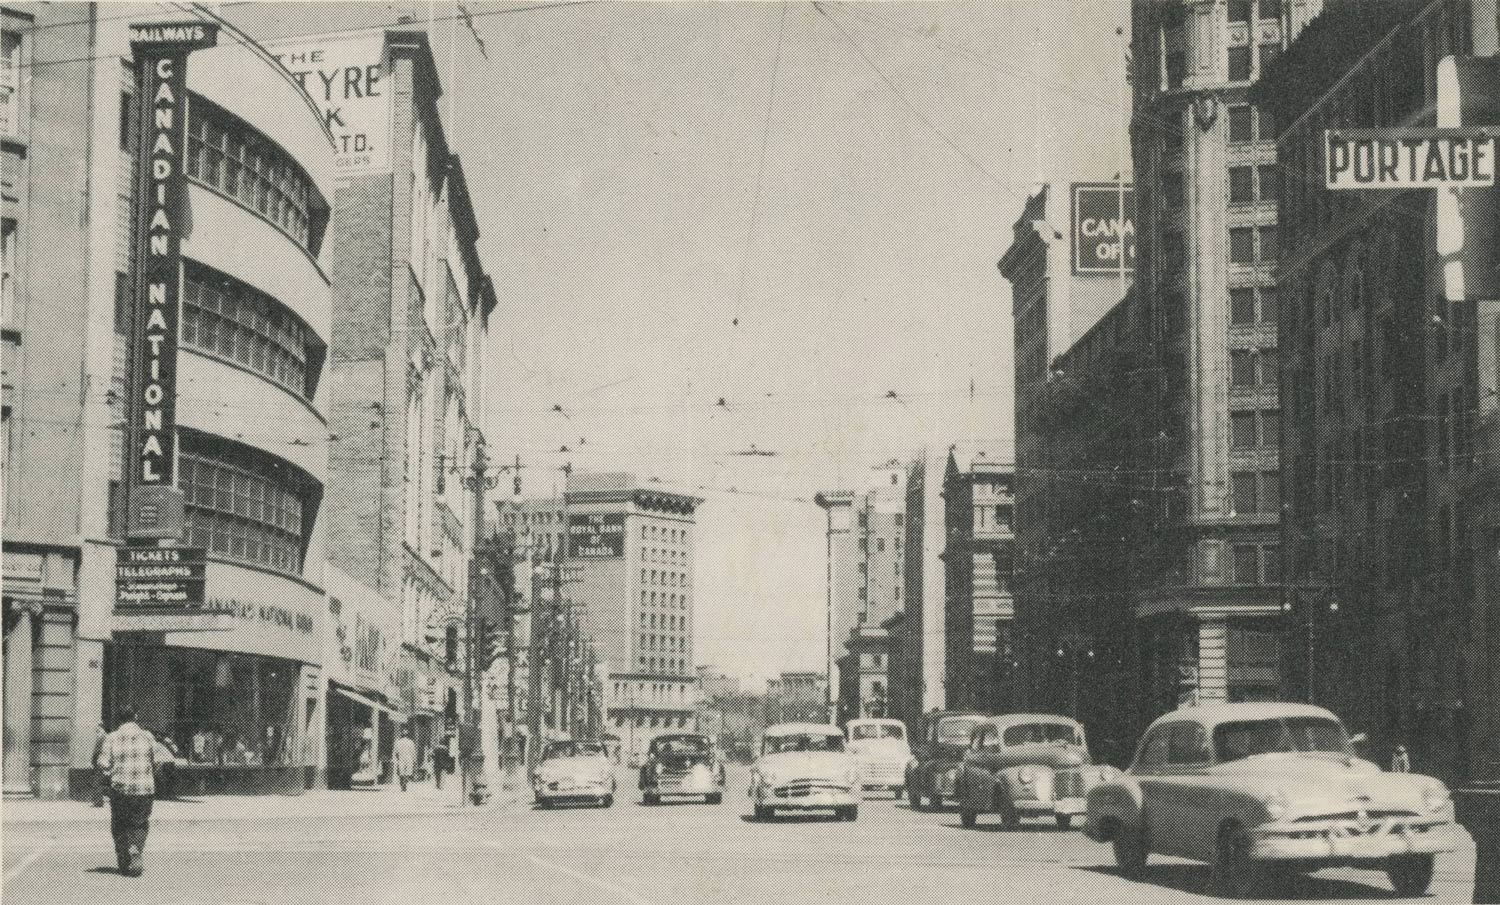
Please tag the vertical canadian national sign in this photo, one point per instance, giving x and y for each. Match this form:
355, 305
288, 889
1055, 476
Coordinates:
160, 51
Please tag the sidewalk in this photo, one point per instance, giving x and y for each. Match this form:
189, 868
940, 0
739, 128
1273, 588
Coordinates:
381, 801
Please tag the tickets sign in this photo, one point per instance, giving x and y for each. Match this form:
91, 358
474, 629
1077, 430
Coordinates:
159, 577
1409, 158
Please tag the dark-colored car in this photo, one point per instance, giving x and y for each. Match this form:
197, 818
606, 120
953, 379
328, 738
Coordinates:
682, 764
936, 758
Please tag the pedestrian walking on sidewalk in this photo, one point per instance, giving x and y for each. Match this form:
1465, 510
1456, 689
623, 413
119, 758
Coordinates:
101, 781
129, 759
1400, 760
406, 758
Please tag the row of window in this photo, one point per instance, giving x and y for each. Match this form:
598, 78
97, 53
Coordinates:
671, 601
664, 722
1254, 493
243, 506
665, 578
1242, 64
1239, 10
224, 317
1250, 305
1252, 368
669, 535
1251, 430
664, 620
655, 554
228, 155
662, 664
671, 643
1250, 184
1251, 245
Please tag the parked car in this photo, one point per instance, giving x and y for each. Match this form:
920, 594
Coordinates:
573, 772
164, 753
932, 772
1263, 790
1027, 765
803, 766
684, 764
881, 752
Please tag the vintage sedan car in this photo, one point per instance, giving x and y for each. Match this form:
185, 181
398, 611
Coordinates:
684, 764
803, 766
573, 772
1264, 790
880, 749
1027, 765
932, 771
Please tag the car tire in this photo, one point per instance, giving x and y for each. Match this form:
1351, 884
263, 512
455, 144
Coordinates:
968, 818
1234, 874
652, 799
913, 799
1064, 821
714, 798
763, 813
1009, 816
1411, 875
851, 813
607, 801
899, 792
1131, 850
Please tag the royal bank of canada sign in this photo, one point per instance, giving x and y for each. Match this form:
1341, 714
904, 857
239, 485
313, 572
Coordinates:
1103, 228
597, 536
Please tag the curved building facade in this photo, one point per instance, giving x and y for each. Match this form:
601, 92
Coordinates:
240, 704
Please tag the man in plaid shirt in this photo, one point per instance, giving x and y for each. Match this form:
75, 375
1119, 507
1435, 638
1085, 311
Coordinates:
129, 760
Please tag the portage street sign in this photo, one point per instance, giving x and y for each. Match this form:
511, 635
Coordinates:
1409, 158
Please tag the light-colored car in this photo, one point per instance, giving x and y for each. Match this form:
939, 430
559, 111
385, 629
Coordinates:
1264, 790
1027, 765
803, 766
573, 772
881, 753
682, 764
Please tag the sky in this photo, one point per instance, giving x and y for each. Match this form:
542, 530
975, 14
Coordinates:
795, 209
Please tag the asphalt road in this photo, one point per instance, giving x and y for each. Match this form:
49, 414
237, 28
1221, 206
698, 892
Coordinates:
626, 854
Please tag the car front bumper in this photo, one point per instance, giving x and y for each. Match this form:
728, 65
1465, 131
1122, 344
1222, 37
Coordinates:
1068, 806
1352, 840
686, 784
798, 796
576, 790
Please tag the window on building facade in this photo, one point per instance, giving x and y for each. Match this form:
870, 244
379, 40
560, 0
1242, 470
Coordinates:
1239, 10
1270, 181
242, 505
231, 157
1242, 430
1241, 185
1174, 252
1270, 364
1268, 304
1242, 306
1267, 243
1268, 54
1239, 63
1269, 9
1270, 555
226, 318
1246, 564
1173, 191
8, 235
1270, 428
1241, 124
1242, 487
1241, 368
1242, 245
10, 83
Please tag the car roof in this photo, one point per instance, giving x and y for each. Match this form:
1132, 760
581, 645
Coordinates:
1213, 714
876, 721
798, 728
675, 735
1016, 719
955, 714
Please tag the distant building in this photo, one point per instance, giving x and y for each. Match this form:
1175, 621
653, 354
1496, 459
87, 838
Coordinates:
864, 683
979, 559
920, 644
629, 579
712, 684
798, 697
865, 537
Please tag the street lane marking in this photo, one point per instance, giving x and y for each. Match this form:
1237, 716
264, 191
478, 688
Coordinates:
24, 863
600, 882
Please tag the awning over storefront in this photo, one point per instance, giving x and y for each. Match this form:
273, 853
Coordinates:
371, 703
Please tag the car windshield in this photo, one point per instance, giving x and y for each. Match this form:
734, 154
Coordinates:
571, 749
803, 741
1042, 733
862, 733
1247, 738
685, 745
956, 730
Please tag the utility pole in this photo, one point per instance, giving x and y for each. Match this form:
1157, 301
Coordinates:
479, 574
534, 662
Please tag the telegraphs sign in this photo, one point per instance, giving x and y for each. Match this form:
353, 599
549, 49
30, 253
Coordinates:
1103, 227
1409, 158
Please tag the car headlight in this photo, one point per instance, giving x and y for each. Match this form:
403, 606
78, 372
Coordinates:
1276, 804
1027, 774
1435, 797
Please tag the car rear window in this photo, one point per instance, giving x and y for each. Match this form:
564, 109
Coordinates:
956, 731
804, 742
1041, 733
876, 731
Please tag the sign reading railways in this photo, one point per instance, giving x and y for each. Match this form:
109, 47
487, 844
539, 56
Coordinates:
1103, 227
597, 536
1409, 158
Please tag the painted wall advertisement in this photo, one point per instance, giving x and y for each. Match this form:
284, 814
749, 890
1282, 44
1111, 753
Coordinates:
1103, 232
345, 77
597, 536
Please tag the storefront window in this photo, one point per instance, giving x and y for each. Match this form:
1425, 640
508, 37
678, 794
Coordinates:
216, 709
